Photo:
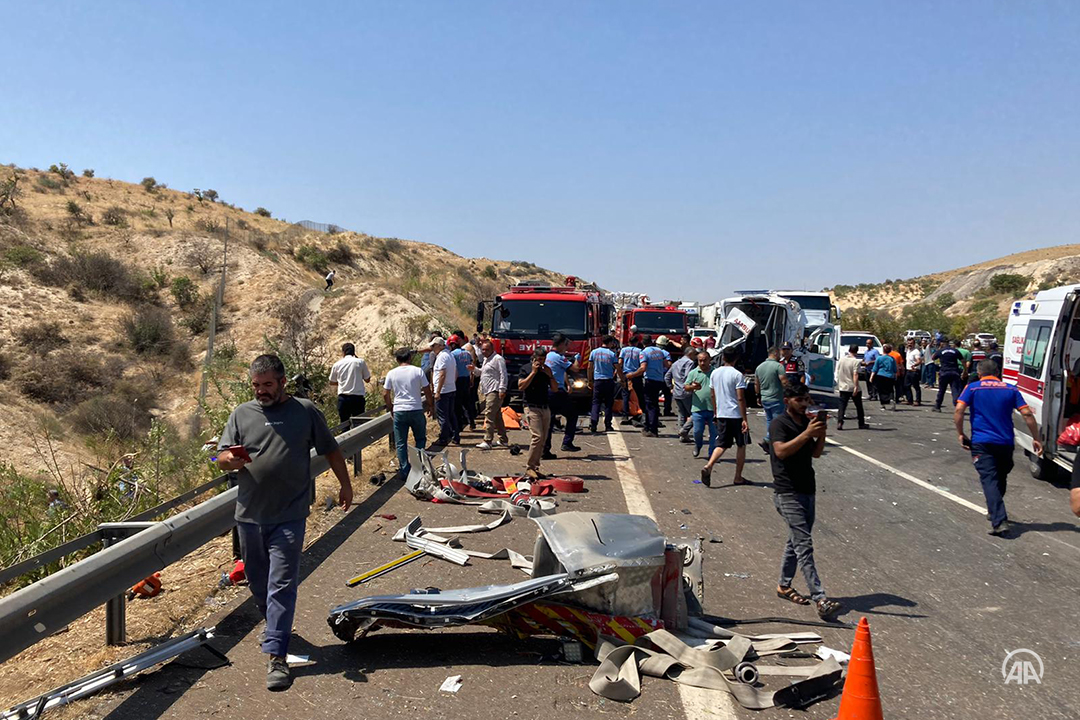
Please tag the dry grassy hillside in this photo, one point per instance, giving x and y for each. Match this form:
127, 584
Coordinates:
973, 298
83, 259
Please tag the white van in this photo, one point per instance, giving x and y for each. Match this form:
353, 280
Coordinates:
824, 350
1042, 340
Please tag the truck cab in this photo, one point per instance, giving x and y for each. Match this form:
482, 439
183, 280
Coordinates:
528, 315
655, 320
1042, 358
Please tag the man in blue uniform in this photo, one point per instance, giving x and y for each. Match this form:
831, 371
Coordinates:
560, 401
992, 403
629, 362
952, 367
654, 364
602, 379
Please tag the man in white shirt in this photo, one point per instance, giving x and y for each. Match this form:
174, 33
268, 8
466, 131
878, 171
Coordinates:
329, 280
847, 384
407, 393
349, 375
729, 398
493, 383
444, 385
913, 363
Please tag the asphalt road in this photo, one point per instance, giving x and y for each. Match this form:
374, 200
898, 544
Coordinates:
945, 601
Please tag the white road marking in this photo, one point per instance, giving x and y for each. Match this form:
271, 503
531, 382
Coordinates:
697, 702
921, 483
944, 493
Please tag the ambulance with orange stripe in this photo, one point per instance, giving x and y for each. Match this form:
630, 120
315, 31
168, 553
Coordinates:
1042, 358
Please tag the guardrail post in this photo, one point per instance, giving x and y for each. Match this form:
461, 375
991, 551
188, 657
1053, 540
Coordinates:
115, 610
358, 459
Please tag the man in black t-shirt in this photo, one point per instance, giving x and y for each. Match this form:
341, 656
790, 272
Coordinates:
796, 441
537, 384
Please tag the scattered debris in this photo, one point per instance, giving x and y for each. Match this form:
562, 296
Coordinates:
827, 652
387, 516
377, 479
686, 512
451, 684
741, 576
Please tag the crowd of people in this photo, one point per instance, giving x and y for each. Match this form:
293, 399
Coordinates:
460, 380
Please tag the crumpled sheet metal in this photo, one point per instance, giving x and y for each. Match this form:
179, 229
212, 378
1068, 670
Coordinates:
630, 545
661, 654
448, 608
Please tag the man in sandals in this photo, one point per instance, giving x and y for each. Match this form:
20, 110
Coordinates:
796, 440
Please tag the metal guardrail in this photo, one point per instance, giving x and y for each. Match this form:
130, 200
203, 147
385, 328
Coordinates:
47, 606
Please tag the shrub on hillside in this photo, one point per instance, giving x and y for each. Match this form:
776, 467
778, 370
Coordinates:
125, 412
209, 225
198, 314
313, 257
96, 272
262, 212
77, 214
489, 272
46, 183
200, 255
23, 255
340, 254
1010, 283
88, 173
149, 331
64, 377
5, 365
184, 291
945, 301
114, 216
42, 338
211, 195
149, 184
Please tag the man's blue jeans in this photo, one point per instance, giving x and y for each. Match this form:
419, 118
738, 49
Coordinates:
404, 420
798, 511
272, 564
704, 419
772, 410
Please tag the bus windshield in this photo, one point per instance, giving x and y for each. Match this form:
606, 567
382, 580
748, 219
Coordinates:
810, 302
660, 323
539, 319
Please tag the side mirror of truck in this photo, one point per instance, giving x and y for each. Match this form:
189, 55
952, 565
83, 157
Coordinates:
480, 316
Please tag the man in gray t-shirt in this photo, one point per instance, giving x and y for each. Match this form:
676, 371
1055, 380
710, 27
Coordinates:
277, 433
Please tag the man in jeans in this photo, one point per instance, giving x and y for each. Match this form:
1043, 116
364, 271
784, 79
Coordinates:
493, 383
407, 393
701, 402
869, 358
992, 404
676, 380
769, 380
847, 384
444, 386
537, 384
796, 441
276, 433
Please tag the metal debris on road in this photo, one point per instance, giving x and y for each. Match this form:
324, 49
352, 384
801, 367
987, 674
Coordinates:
741, 576
451, 684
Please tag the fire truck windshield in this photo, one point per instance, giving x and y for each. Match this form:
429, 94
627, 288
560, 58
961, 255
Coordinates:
540, 319
660, 323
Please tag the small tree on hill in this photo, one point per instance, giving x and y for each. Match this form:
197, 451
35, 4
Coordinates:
149, 184
262, 212
1008, 283
88, 173
211, 195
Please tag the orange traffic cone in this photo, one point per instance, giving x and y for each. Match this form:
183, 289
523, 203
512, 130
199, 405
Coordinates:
861, 699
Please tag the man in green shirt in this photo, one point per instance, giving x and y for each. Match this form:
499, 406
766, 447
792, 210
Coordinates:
770, 380
702, 411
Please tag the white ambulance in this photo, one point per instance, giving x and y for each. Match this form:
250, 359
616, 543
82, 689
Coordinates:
1042, 345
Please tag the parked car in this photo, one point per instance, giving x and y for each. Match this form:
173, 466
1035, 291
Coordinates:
919, 335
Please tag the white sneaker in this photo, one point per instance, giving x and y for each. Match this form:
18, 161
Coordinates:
499, 443
483, 446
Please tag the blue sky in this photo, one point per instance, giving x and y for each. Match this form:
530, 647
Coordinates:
683, 149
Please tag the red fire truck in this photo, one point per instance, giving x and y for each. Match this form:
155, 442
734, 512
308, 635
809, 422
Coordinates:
655, 320
528, 314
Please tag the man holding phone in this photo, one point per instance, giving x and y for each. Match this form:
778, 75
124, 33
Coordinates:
267, 442
796, 441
